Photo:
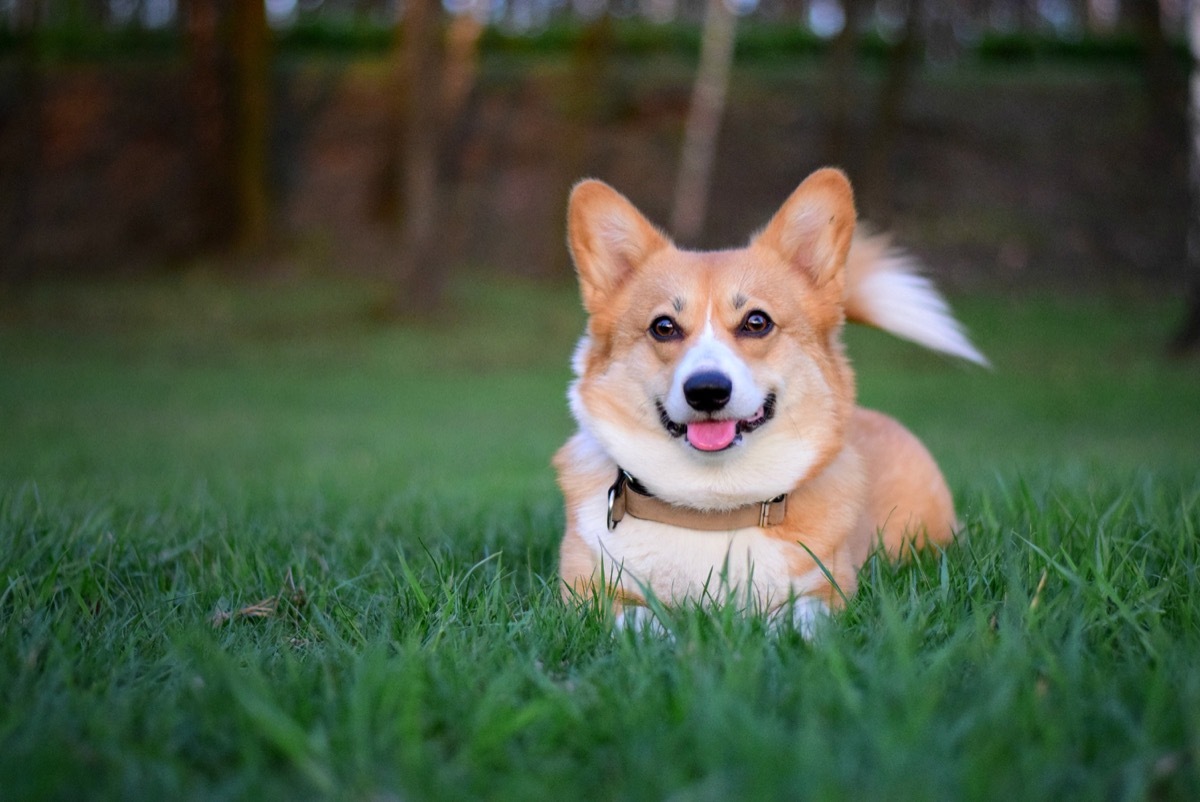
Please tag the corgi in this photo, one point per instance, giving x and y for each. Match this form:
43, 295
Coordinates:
719, 448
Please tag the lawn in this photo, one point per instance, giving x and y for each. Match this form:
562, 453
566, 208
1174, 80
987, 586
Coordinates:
256, 544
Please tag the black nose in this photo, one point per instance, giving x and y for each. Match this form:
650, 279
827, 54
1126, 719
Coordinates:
707, 391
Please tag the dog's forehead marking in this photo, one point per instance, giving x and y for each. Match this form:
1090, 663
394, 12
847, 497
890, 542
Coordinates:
709, 281
731, 282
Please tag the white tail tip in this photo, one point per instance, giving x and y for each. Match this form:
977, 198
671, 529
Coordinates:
890, 294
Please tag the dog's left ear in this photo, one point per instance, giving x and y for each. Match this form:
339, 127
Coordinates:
609, 239
813, 228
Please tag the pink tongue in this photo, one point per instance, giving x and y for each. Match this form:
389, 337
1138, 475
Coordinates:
712, 435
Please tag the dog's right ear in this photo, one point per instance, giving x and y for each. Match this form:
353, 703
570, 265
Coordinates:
609, 239
813, 229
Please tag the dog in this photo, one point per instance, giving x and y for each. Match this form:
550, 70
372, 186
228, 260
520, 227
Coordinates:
720, 452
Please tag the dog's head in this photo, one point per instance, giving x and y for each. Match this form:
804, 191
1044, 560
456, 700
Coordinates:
717, 379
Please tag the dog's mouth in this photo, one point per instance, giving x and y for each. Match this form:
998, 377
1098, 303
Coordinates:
717, 434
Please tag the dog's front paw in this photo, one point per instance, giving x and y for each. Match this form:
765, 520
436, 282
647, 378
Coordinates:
639, 619
806, 615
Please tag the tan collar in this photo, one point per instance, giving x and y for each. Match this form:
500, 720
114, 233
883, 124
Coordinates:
628, 497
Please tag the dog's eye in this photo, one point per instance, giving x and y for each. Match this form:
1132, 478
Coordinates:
757, 324
665, 328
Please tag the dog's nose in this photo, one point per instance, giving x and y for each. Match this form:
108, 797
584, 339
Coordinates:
707, 391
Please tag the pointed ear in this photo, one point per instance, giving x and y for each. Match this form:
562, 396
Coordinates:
609, 239
813, 228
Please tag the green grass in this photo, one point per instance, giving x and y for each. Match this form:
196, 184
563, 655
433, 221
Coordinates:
174, 451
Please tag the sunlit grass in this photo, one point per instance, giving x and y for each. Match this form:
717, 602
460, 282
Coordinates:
179, 453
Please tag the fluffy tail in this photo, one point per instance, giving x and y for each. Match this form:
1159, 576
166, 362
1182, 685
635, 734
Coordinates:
884, 288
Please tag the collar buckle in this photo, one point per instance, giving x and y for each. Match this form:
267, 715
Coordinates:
764, 515
616, 499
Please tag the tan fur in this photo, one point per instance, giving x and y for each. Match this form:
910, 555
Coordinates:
908, 500
855, 478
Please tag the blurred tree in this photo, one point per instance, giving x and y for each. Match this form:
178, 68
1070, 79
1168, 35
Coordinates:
22, 145
1101, 16
436, 78
841, 84
462, 63
419, 192
251, 129
461, 97
1167, 87
1188, 337
418, 59
587, 92
877, 179
1164, 79
703, 121
228, 51
207, 66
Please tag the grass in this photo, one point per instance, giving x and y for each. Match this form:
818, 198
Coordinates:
176, 455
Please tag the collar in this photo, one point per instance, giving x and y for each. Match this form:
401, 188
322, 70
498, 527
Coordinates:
627, 496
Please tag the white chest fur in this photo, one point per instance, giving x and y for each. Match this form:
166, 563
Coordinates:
744, 565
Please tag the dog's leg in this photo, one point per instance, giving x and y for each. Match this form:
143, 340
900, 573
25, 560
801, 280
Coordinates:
807, 615
908, 500
638, 618
577, 566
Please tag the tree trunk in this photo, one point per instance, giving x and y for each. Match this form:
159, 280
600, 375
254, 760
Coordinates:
1164, 80
22, 147
229, 87
251, 129
703, 122
421, 279
462, 65
460, 98
1101, 16
208, 101
1187, 339
877, 180
843, 59
584, 96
